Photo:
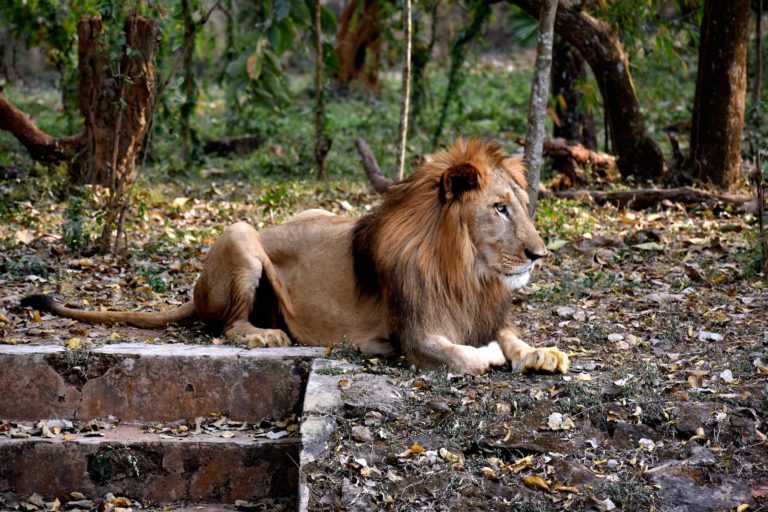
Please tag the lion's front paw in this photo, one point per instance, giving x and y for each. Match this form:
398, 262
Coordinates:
548, 359
478, 360
267, 338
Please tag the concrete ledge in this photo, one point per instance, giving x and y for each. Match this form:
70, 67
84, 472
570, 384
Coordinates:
127, 461
325, 398
137, 382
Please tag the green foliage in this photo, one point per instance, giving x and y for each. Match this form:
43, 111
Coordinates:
642, 30
153, 275
275, 27
74, 232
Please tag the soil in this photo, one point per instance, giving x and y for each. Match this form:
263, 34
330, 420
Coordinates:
662, 312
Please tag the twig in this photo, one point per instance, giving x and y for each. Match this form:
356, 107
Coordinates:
403, 129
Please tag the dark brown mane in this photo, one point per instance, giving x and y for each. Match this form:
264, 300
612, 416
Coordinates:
415, 252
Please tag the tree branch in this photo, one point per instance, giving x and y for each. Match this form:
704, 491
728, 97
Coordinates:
380, 182
41, 146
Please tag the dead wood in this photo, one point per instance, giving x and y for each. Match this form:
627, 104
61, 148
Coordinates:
578, 165
41, 146
380, 182
639, 199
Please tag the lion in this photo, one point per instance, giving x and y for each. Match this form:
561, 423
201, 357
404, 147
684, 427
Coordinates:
429, 273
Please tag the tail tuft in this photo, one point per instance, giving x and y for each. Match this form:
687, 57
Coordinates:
39, 302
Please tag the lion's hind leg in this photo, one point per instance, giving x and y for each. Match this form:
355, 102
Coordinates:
226, 292
243, 331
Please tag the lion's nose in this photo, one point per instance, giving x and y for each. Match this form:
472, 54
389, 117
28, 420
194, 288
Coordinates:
536, 254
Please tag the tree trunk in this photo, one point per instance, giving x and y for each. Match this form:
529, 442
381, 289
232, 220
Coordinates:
638, 153
114, 103
721, 84
534, 135
322, 143
402, 134
189, 85
575, 123
757, 84
420, 56
357, 33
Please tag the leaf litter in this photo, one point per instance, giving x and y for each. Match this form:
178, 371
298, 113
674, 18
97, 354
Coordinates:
661, 313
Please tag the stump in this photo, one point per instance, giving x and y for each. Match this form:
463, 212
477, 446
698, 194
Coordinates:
114, 99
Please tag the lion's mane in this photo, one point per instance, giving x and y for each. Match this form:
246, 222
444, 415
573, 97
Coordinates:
414, 251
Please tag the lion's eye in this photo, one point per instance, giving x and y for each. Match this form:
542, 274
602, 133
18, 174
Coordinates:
501, 208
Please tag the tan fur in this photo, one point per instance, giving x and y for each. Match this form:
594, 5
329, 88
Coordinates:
430, 272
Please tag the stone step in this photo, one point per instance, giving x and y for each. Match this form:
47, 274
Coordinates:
126, 461
133, 386
138, 382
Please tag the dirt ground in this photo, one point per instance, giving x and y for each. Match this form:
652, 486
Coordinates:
665, 319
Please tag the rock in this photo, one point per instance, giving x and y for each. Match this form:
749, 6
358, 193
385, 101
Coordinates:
627, 436
361, 434
691, 416
565, 311
36, 500
681, 493
699, 455
86, 504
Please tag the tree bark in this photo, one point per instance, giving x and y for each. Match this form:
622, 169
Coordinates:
537, 107
580, 166
402, 137
380, 182
357, 33
575, 123
638, 153
757, 84
322, 143
114, 104
721, 84
190, 87
41, 146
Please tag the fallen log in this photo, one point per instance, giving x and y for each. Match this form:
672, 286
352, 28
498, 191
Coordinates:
576, 164
639, 199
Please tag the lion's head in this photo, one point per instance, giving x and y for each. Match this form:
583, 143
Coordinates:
450, 243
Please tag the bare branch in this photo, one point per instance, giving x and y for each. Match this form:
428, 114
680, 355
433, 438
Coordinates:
380, 182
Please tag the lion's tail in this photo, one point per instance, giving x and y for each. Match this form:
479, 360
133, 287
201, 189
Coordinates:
148, 320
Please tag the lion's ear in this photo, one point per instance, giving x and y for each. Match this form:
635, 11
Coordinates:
461, 178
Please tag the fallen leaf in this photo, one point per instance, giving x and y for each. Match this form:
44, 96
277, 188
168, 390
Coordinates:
710, 336
536, 482
490, 473
74, 343
556, 245
727, 376
24, 236
605, 505
521, 464
557, 421
449, 456
649, 246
